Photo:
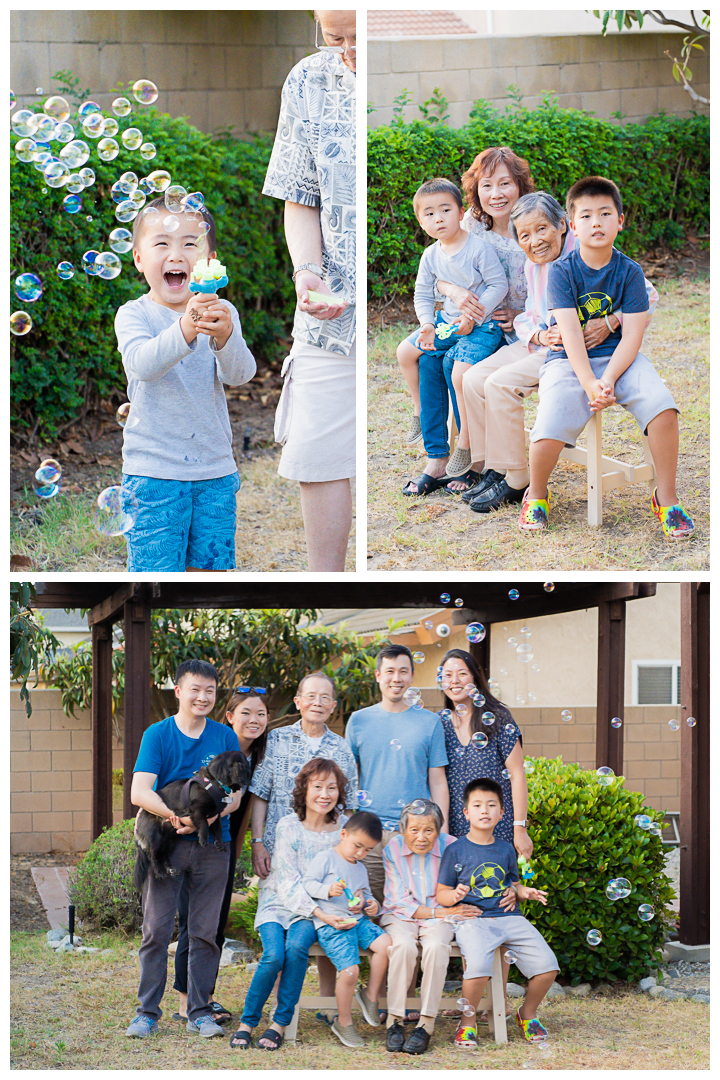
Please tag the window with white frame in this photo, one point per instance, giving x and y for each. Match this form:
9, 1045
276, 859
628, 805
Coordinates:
656, 682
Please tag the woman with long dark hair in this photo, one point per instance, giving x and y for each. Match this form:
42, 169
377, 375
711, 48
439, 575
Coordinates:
490, 747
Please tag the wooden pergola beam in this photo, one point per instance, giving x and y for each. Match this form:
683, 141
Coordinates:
137, 634
101, 719
610, 684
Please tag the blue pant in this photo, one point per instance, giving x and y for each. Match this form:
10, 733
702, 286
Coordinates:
286, 950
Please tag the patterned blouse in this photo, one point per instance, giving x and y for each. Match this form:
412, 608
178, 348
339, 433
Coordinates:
512, 257
281, 896
313, 163
467, 763
287, 750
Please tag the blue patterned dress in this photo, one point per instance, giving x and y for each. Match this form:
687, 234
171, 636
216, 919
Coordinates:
466, 763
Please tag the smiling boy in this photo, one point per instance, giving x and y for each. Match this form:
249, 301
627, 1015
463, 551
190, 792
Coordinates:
178, 348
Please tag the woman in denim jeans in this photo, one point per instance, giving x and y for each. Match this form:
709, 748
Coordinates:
285, 912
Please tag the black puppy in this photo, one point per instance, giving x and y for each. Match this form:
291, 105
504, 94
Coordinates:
203, 796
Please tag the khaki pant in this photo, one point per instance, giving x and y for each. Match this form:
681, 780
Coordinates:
494, 393
373, 863
435, 936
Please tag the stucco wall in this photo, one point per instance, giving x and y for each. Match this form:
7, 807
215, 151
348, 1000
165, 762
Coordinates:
628, 73
217, 68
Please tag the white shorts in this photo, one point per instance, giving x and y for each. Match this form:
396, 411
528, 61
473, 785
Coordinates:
479, 938
315, 418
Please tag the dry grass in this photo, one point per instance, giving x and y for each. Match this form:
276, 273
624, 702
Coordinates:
70, 1012
440, 532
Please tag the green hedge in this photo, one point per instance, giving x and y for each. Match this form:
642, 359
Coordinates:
101, 886
662, 168
69, 360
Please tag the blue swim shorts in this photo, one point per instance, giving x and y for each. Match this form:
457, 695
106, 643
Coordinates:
342, 946
481, 342
183, 523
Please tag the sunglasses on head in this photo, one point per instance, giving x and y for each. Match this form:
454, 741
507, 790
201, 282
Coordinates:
249, 690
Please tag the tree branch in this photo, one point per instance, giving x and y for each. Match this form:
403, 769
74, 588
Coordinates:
664, 21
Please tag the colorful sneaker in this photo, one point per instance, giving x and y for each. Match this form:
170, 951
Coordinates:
535, 513
142, 1026
466, 1037
533, 1030
676, 523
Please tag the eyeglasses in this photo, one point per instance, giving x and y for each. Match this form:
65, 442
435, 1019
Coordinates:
324, 699
249, 690
332, 48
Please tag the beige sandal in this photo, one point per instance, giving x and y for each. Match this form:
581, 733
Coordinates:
459, 463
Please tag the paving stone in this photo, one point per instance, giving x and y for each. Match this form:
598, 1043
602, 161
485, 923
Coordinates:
578, 991
648, 983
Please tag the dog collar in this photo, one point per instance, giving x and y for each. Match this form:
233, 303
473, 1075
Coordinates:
213, 788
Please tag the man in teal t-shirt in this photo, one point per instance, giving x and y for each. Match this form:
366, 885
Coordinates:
400, 752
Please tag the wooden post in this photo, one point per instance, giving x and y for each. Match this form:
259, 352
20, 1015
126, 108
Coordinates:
610, 685
695, 764
101, 814
137, 636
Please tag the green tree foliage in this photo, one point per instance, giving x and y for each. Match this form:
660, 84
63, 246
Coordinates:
101, 887
30, 643
661, 166
584, 835
69, 360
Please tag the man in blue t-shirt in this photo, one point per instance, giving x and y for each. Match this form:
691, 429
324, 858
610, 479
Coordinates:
174, 749
595, 280
400, 753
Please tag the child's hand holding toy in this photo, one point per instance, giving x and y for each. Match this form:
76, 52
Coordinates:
427, 336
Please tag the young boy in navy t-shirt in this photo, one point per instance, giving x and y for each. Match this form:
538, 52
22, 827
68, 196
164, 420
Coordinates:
591, 281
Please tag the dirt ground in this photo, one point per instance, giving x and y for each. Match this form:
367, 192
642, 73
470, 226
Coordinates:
26, 910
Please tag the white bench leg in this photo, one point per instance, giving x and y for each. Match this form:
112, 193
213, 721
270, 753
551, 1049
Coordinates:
594, 469
496, 1015
291, 1029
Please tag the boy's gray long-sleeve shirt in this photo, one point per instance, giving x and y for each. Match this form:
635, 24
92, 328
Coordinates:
178, 427
475, 267
323, 871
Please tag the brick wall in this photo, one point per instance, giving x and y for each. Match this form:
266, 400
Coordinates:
217, 68
628, 73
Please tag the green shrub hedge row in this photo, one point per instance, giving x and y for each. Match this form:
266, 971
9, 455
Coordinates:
69, 360
661, 166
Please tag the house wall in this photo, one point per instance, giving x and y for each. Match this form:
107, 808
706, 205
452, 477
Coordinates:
217, 68
626, 73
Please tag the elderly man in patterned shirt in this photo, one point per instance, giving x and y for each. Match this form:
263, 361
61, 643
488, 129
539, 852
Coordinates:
312, 169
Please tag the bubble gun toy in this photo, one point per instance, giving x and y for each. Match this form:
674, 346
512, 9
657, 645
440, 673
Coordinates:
207, 277
445, 330
526, 871
353, 900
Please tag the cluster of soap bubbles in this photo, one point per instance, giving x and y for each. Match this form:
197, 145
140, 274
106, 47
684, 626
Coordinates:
465, 1007
412, 696
47, 480
618, 888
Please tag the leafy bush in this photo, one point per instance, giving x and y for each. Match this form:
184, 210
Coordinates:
69, 360
101, 887
661, 166
241, 920
584, 835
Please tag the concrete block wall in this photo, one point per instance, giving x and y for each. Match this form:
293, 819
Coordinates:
626, 73
218, 68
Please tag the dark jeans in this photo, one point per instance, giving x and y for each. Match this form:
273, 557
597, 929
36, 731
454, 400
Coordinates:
206, 871
286, 950
181, 954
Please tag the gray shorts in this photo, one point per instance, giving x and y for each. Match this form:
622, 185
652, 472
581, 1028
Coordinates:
479, 938
563, 410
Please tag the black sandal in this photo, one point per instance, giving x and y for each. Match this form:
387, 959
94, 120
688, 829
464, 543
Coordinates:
276, 1037
219, 1014
469, 478
426, 484
241, 1040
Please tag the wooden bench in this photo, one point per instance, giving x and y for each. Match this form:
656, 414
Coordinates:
493, 999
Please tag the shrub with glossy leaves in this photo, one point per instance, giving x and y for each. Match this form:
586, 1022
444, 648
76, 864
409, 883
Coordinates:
101, 886
584, 835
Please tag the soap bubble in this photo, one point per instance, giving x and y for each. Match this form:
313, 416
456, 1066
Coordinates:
20, 323
605, 775
24, 123
160, 179
121, 106
519, 700
41, 157
130, 178
513, 594
548, 586
528, 767
616, 722
148, 151
174, 196
411, 695
110, 127
87, 176
74, 183
72, 203
75, 153
525, 631
45, 127
51, 470
42, 488
593, 937
123, 413
171, 223
12, 101
459, 602
618, 888
479, 740
503, 671
656, 828
132, 138
419, 806
673, 725
443, 630
461, 709
532, 697
445, 714
28, 288
566, 715
643, 821
488, 719
509, 729
463, 1003
87, 108
203, 230
475, 632
65, 270
88, 218
429, 624
145, 92
121, 241
493, 685
364, 798
646, 912
419, 657
109, 264
138, 198
691, 721
108, 149
64, 133
525, 653
126, 211
93, 125
505, 774
444, 597
458, 870
510, 957
512, 642
535, 668
120, 190
116, 511
88, 262
24, 149
470, 689
395, 744
195, 202
478, 699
